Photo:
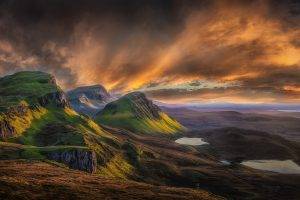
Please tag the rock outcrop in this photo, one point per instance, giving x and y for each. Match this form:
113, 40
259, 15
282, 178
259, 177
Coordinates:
6, 130
58, 98
84, 160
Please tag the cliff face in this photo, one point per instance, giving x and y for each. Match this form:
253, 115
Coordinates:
76, 159
143, 108
89, 99
95, 92
58, 98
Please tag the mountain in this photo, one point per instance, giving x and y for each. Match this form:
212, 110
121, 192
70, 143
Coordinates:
42, 136
136, 113
30, 87
89, 99
37, 122
45, 145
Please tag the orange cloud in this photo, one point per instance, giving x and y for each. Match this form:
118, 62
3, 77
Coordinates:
222, 41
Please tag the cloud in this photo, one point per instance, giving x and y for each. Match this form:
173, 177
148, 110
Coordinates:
138, 44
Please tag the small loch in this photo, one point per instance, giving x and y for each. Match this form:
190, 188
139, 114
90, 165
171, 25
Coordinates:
191, 141
280, 166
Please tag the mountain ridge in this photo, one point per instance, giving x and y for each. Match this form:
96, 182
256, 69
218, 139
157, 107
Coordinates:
135, 112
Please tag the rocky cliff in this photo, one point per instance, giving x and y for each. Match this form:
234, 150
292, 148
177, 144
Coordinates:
95, 92
58, 98
76, 159
89, 99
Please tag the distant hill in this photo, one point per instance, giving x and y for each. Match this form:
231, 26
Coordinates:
136, 113
89, 99
284, 124
232, 143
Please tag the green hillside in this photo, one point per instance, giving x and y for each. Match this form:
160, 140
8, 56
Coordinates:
136, 113
36, 122
28, 86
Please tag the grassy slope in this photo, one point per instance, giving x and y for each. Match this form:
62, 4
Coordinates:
27, 86
121, 113
67, 128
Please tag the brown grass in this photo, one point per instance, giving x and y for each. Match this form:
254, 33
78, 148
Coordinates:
20, 179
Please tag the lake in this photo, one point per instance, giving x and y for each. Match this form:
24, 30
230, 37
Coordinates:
280, 166
191, 141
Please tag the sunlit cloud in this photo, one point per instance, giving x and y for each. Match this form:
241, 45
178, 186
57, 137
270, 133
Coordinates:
240, 50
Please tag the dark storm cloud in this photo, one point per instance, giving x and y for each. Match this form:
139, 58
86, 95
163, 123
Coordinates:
30, 25
133, 44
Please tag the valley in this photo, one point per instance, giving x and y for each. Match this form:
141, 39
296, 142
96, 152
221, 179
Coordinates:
150, 99
128, 148
285, 124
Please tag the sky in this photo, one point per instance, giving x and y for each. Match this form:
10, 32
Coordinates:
237, 51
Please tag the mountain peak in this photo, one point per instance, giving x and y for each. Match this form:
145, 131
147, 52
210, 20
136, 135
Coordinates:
34, 87
95, 92
135, 112
89, 99
141, 106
